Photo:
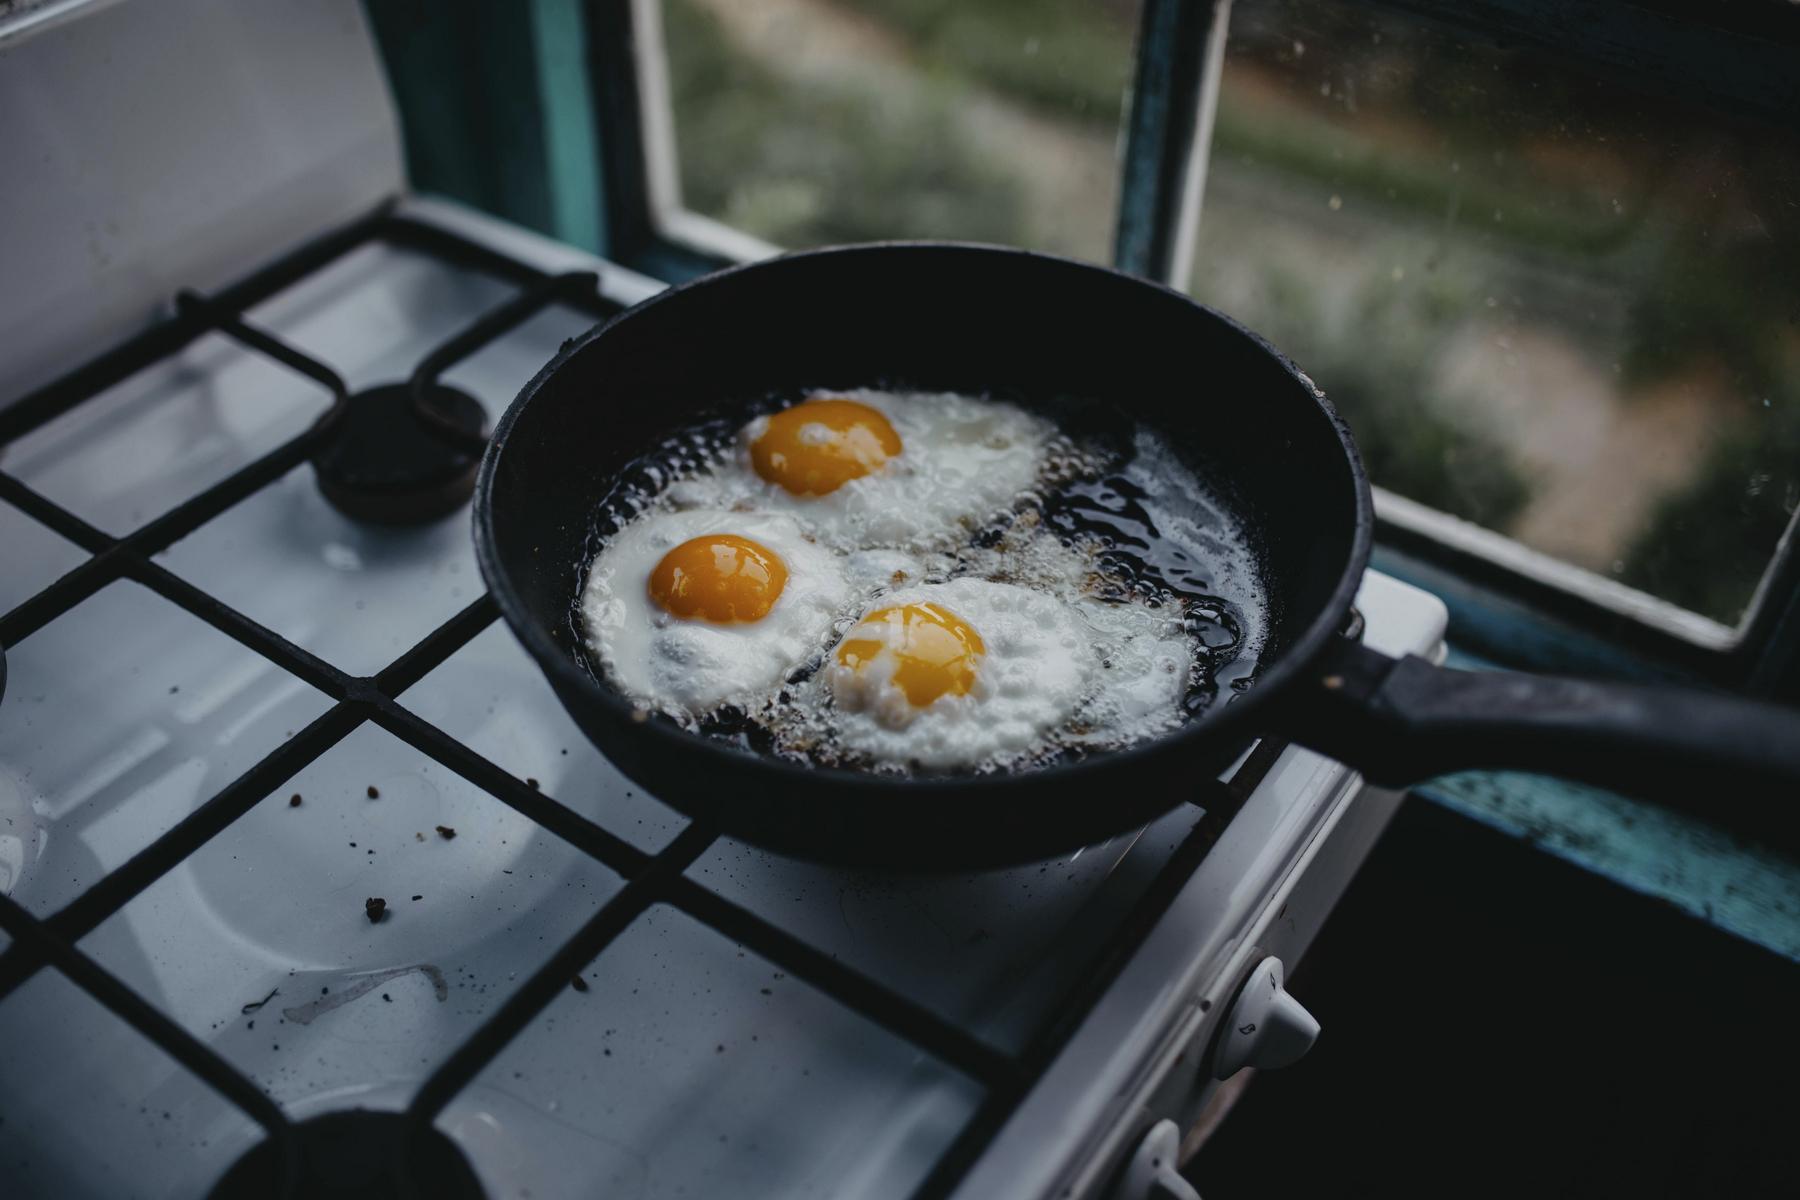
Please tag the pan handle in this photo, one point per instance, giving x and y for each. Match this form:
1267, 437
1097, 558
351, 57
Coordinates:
1403, 720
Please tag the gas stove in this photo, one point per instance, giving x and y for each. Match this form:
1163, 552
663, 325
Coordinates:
299, 852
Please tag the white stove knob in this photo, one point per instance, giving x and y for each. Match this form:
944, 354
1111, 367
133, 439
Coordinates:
1151, 1174
1266, 1028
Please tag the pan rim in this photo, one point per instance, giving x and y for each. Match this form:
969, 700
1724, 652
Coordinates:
1241, 715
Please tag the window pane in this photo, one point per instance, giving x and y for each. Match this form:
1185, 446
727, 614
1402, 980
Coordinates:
814, 121
1547, 302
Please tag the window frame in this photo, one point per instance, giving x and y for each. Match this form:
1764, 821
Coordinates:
1508, 602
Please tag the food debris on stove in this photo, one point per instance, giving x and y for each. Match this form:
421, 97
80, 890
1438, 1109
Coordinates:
579, 984
418, 897
256, 1004
531, 783
374, 792
294, 800
445, 832
375, 908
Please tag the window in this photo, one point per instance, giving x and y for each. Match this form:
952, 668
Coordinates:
1547, 261
1550, 303
806, 122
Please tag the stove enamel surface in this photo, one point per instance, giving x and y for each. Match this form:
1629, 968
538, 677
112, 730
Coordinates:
653, 1012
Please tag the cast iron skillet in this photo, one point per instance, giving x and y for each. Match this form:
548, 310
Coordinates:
984, 319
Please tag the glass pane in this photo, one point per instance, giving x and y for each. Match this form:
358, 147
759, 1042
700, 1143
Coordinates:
1547, 302
808, 122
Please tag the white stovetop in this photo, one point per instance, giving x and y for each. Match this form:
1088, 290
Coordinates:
690, 1065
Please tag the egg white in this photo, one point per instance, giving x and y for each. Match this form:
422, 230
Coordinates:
1037, 663
963, 459
1146, 662
1062, 666
688, 667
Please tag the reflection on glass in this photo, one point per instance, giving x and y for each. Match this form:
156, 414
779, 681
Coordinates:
808, 122
1551, 304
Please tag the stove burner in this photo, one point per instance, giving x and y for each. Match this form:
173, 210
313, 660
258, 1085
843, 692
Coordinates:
351, 1156
392, 464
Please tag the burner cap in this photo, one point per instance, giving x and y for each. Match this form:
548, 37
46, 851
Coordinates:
387, 466
350, 1156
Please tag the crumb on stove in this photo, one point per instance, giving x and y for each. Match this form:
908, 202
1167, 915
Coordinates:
579, 984
531, 783
374, 792
375, 908
387, 997
420, 836
294, 800
418, 897
445, 832
256, 1004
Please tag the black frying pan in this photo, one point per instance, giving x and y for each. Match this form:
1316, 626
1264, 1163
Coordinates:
981, 319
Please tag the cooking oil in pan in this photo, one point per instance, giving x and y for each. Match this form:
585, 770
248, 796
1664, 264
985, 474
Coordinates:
1114, 512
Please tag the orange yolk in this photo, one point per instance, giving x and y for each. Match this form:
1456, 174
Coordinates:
720, 578
818, 446
937, 649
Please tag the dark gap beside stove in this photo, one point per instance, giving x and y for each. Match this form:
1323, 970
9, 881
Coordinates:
1570, 1038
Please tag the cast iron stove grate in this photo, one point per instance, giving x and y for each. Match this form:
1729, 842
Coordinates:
424, 479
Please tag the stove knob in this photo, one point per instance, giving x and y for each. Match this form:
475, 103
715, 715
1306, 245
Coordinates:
1151, 1173
1266, 1028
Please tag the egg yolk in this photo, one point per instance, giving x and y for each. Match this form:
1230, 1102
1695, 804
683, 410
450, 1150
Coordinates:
721, 578
938, 650
818, 446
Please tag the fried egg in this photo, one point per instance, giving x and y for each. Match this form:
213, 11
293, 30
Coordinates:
956, 673
686, 611
975, 673
863, 468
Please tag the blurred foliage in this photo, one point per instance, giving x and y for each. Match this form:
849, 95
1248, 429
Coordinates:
804, 164
1706, 546
1066, 57
1410, 438
1410, 449
1651, 195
